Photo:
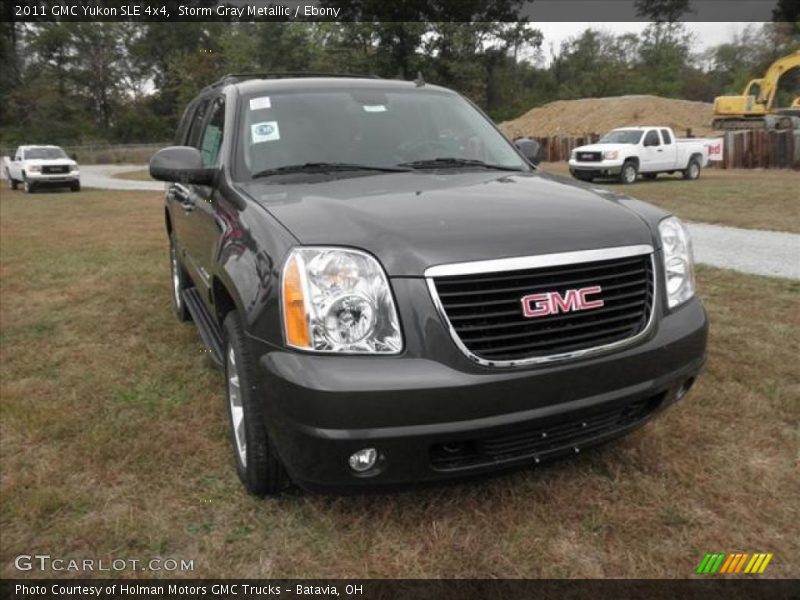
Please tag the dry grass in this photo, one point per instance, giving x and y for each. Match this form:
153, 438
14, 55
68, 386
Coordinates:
749, 198
114, 444
137, 175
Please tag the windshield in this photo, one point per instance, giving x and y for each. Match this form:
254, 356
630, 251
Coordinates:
45, 153
621, 136
371, 128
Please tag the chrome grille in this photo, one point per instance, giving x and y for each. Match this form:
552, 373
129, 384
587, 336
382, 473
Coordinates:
485, 312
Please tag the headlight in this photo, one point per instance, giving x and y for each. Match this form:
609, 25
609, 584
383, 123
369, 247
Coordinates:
338, 300
34, 168
574, 155
74, 166
678, 261
610, 154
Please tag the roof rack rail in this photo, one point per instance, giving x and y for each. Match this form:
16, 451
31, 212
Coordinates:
236, 77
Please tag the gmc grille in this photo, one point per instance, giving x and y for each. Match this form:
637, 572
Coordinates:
590, 156
55, 169
485, 311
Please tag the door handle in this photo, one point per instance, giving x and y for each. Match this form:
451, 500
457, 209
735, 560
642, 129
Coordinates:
183, 196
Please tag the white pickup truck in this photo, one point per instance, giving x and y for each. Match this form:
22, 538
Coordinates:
41, 166
626, 152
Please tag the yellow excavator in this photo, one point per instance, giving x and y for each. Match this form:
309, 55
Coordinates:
753, 109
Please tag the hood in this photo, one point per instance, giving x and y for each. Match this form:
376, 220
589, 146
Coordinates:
412, 221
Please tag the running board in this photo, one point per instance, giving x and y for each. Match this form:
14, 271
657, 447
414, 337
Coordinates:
206, 324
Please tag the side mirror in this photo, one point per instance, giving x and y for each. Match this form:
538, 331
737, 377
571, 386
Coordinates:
74, 156
180, 164
530, 149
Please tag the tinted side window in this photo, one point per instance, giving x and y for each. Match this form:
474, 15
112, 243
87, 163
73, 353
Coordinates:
212, 135
196, 126
651, 139
666, 136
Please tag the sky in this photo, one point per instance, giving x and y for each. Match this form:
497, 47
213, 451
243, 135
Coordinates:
706, 34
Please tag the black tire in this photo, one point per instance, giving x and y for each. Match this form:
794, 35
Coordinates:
650, 176
28, 185
262, 472
12, 183
178, 282
75, 187
629, 172
692, 170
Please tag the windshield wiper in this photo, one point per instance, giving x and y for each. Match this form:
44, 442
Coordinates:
439, 163
326, 167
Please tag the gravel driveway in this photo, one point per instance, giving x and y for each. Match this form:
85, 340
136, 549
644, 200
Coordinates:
747, 250
100, 176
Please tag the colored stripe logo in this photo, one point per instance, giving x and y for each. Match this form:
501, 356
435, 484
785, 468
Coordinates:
720, 563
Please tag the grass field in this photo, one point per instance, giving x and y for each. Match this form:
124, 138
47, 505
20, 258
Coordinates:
113, 438
749, 198
137, 175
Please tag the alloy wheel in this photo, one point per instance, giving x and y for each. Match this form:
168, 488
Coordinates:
237, 409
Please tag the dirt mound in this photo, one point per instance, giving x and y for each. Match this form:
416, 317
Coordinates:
598, 115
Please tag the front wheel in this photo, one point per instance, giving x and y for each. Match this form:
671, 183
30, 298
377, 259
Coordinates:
28, 186
12, 183
257, 463
692, 171
629, 172
76, 186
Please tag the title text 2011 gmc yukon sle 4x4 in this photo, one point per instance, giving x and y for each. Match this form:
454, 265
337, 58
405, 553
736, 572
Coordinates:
396, 295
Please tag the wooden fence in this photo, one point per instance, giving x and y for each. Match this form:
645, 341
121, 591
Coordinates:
761, 150
742, 149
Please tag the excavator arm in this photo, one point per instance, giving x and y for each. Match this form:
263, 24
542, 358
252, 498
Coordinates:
753, 109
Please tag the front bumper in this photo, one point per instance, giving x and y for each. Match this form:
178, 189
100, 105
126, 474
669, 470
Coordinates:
441, 419
602, 168
54, 179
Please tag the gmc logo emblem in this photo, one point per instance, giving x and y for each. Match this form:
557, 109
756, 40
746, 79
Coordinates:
552, 303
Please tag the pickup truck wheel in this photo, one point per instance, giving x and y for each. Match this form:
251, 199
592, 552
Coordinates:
28, 186
692, 171
75, 187
629, 172
179, 283
12, 183
257, 462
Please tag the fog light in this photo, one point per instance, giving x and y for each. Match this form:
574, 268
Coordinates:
363, 460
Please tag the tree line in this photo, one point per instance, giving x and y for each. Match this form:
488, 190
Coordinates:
123, 82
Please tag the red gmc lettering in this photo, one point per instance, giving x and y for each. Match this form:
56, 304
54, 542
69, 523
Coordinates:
551, 303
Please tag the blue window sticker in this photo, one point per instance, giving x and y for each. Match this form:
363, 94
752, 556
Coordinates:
266, 131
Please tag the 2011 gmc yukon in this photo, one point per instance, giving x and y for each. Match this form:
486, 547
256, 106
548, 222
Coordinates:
396, 295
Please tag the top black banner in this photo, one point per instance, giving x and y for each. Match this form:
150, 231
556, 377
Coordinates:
401, 10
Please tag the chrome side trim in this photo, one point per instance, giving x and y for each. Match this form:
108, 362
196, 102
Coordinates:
536, 262
544, 260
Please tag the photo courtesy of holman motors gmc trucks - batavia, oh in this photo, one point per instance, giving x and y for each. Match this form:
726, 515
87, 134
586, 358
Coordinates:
397, 295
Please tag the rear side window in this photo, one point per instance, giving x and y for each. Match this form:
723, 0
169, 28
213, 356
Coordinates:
665, 135
651, 139
212, 135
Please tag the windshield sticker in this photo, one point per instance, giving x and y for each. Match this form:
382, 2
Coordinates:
265, 132
260, 103
374, 108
